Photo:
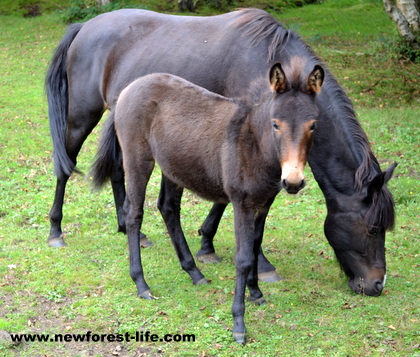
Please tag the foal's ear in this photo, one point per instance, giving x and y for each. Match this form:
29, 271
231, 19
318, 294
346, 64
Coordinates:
315, 79
278, 81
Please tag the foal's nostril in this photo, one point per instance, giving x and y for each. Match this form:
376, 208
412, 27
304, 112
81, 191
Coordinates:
292, 188
302, 184
284, 184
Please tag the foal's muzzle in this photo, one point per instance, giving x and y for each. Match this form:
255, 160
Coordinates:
293, 187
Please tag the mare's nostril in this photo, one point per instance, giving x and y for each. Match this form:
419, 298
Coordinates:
378, 285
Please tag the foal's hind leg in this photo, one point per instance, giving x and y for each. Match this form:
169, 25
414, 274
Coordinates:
169, 205
118, 190
138, 174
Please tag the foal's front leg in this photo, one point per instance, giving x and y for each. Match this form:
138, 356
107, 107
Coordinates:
248, 242
207, 254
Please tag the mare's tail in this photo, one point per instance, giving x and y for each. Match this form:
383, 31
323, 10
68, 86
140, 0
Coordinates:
108, 158
56, 87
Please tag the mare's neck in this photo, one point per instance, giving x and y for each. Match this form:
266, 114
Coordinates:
332, 164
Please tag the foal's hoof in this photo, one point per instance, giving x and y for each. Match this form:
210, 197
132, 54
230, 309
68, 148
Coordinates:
209, 258
145, 243
56, 242
239, 337
147, 295
202, 281
269, 276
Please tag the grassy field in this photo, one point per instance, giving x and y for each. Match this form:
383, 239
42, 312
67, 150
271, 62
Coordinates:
86, 286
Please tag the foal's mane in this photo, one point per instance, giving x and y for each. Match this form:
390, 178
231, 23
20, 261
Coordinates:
259, 26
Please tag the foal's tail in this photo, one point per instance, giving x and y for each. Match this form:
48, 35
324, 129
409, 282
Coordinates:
56, 87
108, 158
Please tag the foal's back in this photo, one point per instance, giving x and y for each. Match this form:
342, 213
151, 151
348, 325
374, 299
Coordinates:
179, 125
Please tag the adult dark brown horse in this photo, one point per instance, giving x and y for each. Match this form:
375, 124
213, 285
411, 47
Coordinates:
224, 54
225, 150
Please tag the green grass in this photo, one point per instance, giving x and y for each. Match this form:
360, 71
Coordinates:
86, 286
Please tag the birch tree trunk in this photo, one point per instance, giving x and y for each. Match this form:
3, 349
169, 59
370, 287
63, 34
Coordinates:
103, 2
405, 14
410, 10
186, 5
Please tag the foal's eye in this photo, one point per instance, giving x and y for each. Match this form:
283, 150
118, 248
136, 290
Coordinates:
312, 127
275, 126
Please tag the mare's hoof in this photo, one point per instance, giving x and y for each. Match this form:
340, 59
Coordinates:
259, 301
239, 337
147, 295
56, 242
269, 276
208, 258
144, 242
202, 281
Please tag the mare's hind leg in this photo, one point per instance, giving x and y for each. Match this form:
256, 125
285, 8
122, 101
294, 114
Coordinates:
55, 238
169, 205
207, 254
76, 133
266, 271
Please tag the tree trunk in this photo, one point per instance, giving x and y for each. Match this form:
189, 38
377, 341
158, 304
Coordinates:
187, 5
103, 2
410, 10
398, 11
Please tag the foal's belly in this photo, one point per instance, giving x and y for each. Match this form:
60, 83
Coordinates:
199, 174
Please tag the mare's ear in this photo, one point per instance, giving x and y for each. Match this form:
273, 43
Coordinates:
389, 171
278, 81
315, 79
380, 179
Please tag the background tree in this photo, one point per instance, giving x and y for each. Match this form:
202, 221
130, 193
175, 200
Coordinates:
104, 2
406, 15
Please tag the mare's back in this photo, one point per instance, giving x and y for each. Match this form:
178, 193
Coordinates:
115, 48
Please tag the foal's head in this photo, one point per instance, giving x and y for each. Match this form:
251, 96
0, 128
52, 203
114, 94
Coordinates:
294, 115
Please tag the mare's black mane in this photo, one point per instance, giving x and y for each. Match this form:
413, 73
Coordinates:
258, 25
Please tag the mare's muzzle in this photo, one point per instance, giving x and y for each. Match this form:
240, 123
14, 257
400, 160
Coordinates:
371, 286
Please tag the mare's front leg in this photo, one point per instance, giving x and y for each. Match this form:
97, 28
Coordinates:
249, 226
266, 271
169, 206
207, 254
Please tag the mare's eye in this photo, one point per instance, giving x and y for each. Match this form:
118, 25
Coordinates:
275, 126
373, 231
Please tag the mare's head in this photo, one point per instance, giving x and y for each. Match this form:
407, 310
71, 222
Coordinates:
355, 227
294, 115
